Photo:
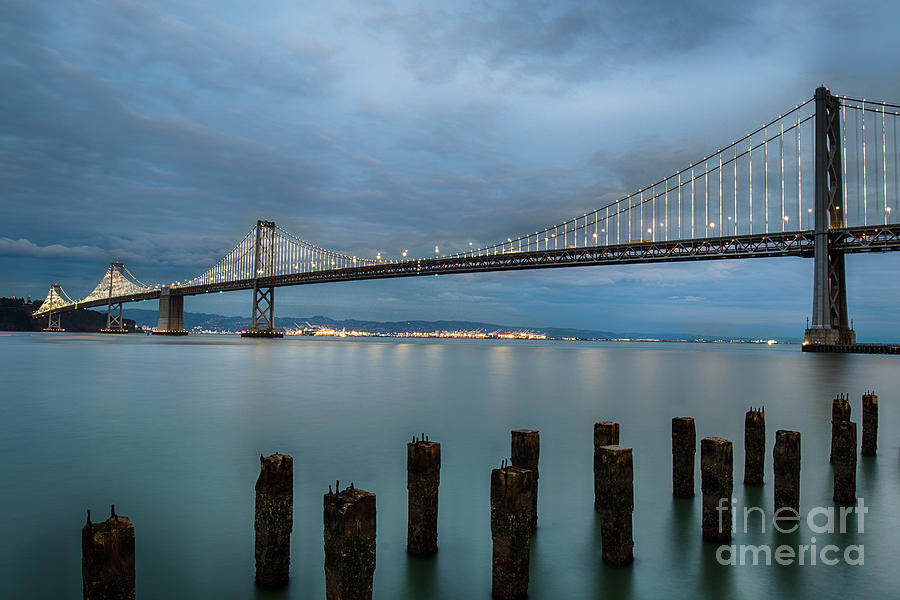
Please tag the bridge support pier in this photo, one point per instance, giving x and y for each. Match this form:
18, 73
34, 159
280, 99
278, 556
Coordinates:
263, 322
171, 314
114, 322
830, 324
53, 322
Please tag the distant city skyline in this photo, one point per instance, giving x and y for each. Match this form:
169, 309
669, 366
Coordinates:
157, 134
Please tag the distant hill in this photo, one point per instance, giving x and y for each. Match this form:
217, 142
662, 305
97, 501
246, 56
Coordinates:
147, 318
15, 315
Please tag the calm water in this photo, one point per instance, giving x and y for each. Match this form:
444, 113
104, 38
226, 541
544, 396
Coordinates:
171, 431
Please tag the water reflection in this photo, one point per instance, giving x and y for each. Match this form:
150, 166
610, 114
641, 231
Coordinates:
176, 447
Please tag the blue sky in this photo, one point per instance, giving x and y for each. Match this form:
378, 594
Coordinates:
157, 133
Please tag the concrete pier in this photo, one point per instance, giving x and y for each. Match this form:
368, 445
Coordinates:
511, 505
274, 520
716, 483
844, 463
786, 464
525, 453
684, 447
170, 320
616, 501
349, 544
840, 413
107, 558
754, 446
869, 424
606, 433
423, 477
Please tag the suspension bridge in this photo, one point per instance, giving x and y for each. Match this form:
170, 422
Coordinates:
819, 181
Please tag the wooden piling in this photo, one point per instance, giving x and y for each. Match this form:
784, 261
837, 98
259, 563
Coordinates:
844, 463
754, 446
274, 520
786, 464
716, 484
525, 453
684, 447
840, 413
107, 558
349, 544
616, 501
511, 505
606, 433
869, 424
423, 477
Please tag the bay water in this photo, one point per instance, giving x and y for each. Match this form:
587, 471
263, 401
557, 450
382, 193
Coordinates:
171, 429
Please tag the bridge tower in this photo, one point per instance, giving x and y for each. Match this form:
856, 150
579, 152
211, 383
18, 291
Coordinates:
114, 323
829, 319
263, 316
53, 320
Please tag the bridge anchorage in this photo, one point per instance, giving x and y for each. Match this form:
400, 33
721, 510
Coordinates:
263, 310
170, 318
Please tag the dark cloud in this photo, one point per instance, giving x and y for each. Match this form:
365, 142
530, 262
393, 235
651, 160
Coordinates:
158, 133
558, 42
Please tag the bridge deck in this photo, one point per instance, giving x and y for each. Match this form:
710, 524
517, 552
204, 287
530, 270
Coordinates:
850, 240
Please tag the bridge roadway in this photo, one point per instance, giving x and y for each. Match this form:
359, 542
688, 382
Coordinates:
872, 238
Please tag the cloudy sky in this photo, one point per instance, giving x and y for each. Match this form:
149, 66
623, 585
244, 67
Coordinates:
157, 133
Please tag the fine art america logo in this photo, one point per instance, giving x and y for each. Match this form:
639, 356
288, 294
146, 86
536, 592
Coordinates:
821, 520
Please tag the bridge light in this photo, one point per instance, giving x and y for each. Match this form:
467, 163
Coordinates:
712, 225
786, 218
594, 236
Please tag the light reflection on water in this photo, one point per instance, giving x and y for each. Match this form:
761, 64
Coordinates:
171, 430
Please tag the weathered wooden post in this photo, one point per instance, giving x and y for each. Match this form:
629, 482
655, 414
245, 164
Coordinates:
716, 484
840, 413
870, 424
525, 453
274, 520
349, 543
606, 433
844, 466
107, 558
511, 505
786, 464
754, 446
684, 447
423, 477
616, 502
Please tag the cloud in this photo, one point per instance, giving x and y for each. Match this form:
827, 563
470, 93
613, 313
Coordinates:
159, 134
26, 248
513, 44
